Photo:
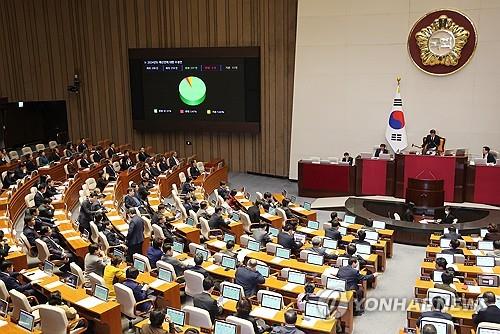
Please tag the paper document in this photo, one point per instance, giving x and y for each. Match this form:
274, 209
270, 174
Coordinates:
89, 302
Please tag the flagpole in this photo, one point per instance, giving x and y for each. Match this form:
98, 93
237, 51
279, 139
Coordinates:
398, 80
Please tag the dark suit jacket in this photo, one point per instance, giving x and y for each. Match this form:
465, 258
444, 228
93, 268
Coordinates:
349, 160
452, 236
205, 301
142, 156
132, 202
352, 276
333, 233
110, 152
112, 238
11, 282
84, 163
286, 240
86, 215
125, 163
492, 236
434, 314
249, 280
81, 147
217, 221
31, 235
97, 157
187, 188
431, 143
179, 267
199, 269
139, 294
195, 172
322, 251
452, 251
39, 199
448, 219
135, 233
173, 161
379, 150
54, 249
490, 314
490, 158
253, 213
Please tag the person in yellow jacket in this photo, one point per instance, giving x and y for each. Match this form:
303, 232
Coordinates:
113, 274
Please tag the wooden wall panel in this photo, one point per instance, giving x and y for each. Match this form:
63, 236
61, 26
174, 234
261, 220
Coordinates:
45, 42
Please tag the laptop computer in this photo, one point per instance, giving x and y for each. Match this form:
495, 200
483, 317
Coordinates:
296, 277
178, 317
48, 267
72, 280
330, 243
178, 247
229, 236
165, 275
253, 245
203, 252
118, 253
315, 259
101, 292
336, 284
26, 320
283, 253
316, 310
263, 270
231, 292
307, 206
313, 225
228, 262
223, 327
271, 301
140, 265
4, 308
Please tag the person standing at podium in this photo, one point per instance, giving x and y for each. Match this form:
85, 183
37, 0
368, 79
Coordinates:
347, 158
431, 142
490, 158
382, 149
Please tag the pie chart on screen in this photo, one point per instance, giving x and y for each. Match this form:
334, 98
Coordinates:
192, 91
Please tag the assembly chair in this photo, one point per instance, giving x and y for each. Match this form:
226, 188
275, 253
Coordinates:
158, 232
245, 326
198, 317
487, 328
75, 269
4, 294
21, 302
194, 283
128, 305
206, 232
44, 254
143, 259
54, 321
165, 265
95, 279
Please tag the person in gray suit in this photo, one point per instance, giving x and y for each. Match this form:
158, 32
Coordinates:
316, 248
95, 261
168, 257
205, 301
289, 327
353, 277
135, 234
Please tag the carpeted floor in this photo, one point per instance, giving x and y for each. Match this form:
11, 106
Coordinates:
387, 303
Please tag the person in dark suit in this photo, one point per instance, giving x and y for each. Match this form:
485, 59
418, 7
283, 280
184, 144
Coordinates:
163, 165
452, 234
9, 180
284, 205
111, 151
268, 201
188, 186
168, 257
223, 190
30, 163
135, 234
57, 252
39, 195
491, 313
42, 159
21, 171
131, 200
431, 142
381, 149
113, 238
9, 277
173, 161
111, 172
347, 158
492, 233
142, 155
125, 161
54, 155
193, 170
447, 278
87, 214
29, 230
82, 147
316, 248
205, 301
216, 220
253, 213
155, 252
333, 232
289, 327
361, 238
353, 278
490, 158
448, 218
438, 305
4, 246
85, 161
97, 155
285, 239
249, 278
139, 290
198, 261
243, 309
454, 248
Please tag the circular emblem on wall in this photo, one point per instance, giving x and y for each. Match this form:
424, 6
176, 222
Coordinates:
442, 42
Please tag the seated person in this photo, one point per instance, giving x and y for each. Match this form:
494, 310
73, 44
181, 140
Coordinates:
113, 273
163, 165
491, 313
490, 158
42, 159
85, 161
243, 309
353, 278
55, 299
9, 277
447, 278
308, 295
347, 158
223, 190
441, 264
361, 238
253, 213
249, 278
333, 232
289, 327
380, 150
21, 171
351, 252
231, 200
125, 161
155, 325
142, 155
173, 161
102, 180
284, 205
131, 200
496, 249
139, 290
4, 246
202, 211
268, 201
95, 261
408, 214
285, 239
429, 329
316, 248
205, 301
229, 251
193, 170
448, 218
30, 163
168, 256
198, 261
29, 230
454, 248
167, 228
188, 186
438, 305
216, 220
113, 238
57, 252
452, 234
431, 142
492, 233
154, 252
9, 180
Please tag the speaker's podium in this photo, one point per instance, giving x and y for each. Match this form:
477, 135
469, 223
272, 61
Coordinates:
427, 195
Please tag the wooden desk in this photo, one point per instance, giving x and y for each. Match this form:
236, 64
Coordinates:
469, 271
463, 290
73, 239
11, 328
296, 209
165, 326
462, 317
375, 177
275, 221
169, 293
106, 317
325, 179
469, 241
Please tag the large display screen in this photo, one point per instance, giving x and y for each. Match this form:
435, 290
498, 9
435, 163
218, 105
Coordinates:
195, 89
